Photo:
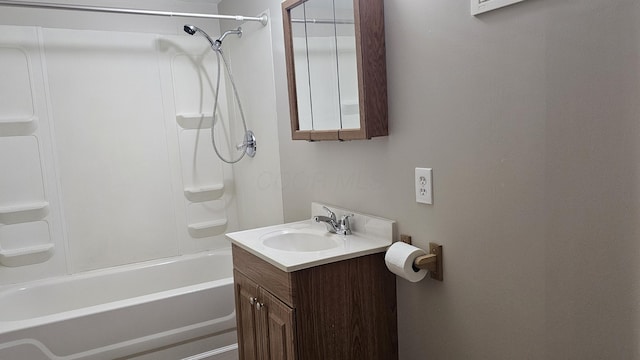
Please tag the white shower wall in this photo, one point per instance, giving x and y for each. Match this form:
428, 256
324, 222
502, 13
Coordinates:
115, 160
260, 200
112, 132
30, 222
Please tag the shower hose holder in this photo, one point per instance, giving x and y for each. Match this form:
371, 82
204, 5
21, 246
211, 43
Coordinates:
250, 145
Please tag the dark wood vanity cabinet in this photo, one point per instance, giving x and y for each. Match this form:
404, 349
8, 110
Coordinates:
265, 324
344, 310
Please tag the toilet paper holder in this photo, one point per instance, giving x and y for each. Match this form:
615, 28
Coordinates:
431, 261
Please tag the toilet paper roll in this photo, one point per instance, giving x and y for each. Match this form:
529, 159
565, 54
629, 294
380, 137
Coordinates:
399, 259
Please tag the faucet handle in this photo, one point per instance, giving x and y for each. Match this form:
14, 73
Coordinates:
331, 214
345, 226
345, 218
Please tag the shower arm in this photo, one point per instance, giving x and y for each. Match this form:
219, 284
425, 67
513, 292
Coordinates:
237, 31
263, 19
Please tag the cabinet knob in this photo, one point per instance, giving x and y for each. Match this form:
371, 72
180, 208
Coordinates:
259, 305
252, 300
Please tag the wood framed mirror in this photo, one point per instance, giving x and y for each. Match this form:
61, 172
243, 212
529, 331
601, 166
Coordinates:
336, 69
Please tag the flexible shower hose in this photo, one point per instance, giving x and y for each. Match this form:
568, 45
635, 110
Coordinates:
220, 54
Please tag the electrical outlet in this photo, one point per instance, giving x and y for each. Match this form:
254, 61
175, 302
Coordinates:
424, 189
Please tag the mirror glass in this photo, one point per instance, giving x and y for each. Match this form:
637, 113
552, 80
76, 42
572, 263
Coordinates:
347, 64
301, 62
326, 74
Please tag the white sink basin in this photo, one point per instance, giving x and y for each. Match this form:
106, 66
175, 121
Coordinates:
299, 241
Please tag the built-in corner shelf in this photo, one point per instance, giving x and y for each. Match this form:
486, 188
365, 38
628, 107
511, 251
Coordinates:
194, 121
26, 256
207, 228
18, 127
204, 193
23, 212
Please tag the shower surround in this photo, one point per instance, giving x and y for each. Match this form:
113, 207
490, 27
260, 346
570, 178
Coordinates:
106, 135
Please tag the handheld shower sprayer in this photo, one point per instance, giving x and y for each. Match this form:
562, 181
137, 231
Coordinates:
190, 29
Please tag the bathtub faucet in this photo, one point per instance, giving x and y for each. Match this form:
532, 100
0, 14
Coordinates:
342, 227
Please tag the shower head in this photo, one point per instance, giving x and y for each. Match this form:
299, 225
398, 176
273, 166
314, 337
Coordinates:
192, 30
215, 44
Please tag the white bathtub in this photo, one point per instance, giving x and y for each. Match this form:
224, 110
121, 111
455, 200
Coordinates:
127, 311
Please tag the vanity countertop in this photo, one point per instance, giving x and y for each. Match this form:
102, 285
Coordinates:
370, 235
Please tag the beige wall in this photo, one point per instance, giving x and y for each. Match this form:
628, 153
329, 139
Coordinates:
529, 117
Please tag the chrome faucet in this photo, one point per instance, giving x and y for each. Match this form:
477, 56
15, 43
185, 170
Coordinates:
342, 227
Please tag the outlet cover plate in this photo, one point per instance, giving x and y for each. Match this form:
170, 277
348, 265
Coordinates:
424, 188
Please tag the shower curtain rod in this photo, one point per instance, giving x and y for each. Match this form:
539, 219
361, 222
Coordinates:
35, 4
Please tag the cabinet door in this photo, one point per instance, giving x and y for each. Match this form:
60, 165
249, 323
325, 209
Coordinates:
277, 324
246, 292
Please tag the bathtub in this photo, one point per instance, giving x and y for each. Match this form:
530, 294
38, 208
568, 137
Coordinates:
140, 311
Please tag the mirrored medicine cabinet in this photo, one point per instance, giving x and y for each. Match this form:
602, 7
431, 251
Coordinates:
336, 69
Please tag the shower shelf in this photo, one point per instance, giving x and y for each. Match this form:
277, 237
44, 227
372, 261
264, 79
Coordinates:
194, 121
23, 213
26, 256
18, 127
204, 193
207, 228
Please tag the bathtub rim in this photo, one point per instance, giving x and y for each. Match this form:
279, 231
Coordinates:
8, 326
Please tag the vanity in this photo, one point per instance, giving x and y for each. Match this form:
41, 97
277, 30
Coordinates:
304, 293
